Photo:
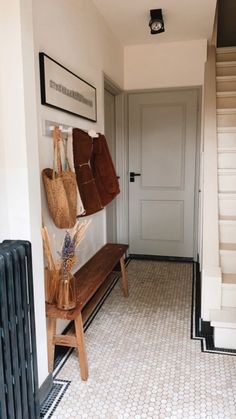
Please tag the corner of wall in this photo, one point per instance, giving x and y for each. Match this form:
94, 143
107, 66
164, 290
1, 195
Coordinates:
211, 291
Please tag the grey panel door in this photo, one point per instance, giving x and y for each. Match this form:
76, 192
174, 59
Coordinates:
162, 150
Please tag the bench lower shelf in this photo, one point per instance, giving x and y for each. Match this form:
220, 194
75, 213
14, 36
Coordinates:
69, 338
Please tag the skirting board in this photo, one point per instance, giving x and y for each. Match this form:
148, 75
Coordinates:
200, 329
161, 258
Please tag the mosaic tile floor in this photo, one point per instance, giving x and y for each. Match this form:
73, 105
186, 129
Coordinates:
142, 362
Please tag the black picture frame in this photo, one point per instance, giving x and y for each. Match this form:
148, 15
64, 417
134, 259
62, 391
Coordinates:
63, 90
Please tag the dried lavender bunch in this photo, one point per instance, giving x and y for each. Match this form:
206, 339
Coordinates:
68, 253
70, 243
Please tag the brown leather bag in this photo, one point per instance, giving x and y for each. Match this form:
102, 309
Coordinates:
82, 150
104, 171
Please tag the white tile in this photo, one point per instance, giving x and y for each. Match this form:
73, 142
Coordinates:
142, 362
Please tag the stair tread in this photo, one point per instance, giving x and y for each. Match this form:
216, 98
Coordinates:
225, 78
226, 93
227, 195
228, 246
229, 279
226, 149
225, 111
224, 317
225, 50
226, 63
226, 170
226, 129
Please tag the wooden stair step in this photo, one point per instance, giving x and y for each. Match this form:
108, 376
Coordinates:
225, 111
226, 63
225, 78
226, 317
228, 278
226, 94
227, 218
228, 246
226, 129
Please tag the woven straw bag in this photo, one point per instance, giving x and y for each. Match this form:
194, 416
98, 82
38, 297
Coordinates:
61, 189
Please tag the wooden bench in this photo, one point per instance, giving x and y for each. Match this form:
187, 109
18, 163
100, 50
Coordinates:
92, 281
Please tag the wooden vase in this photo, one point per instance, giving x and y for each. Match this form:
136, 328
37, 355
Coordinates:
66, 299
52, 280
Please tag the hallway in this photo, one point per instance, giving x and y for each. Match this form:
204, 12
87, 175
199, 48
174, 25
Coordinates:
142, 362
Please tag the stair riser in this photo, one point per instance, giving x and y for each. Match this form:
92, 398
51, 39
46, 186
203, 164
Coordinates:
228, 296
227, 182
228, 233
227, 206
226, 120
227, 139
228, 262
229, 56
226, 71
226, 102
226, 86
225, 338
227, 160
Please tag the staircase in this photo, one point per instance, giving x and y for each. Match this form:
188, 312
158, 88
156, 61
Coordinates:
224, 320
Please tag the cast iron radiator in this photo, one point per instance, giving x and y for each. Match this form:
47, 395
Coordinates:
18, 364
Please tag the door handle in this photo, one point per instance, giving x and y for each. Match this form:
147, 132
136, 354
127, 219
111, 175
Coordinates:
132, 176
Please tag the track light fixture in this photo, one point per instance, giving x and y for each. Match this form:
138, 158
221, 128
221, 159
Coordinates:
156, 22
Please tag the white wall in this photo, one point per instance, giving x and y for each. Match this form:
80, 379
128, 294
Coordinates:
76, 35
174, 64
20, 213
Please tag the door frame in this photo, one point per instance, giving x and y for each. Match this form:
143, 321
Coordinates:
199, 141
121, 158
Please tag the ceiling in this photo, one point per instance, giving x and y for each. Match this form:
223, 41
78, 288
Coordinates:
184, 19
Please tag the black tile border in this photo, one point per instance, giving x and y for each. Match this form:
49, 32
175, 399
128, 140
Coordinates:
200, 329
161, 258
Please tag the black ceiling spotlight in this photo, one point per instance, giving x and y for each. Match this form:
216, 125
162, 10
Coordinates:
156, 22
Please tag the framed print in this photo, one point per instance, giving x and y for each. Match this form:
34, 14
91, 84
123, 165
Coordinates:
64, 90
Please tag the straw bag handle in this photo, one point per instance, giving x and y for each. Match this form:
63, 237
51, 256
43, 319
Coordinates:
65, 143
57, 165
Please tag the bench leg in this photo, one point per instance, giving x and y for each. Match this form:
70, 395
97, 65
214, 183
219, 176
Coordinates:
79, 331
51, 346
124, 279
